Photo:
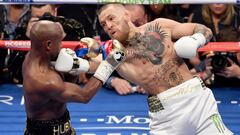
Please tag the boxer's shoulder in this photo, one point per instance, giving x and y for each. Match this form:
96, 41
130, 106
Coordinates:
44, 81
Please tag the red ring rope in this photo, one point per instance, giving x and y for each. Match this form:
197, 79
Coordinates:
221, 47
24, 45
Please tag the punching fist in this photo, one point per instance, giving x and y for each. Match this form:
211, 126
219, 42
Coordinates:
116, 53
68, 62
115, 57
93, 47
186, 47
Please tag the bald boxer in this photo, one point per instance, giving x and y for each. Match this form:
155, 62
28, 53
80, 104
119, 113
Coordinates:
46, 91
179, 103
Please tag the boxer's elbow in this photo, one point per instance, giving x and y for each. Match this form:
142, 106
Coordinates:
86, 93
207, 32
209, 35
86, 99
81, 98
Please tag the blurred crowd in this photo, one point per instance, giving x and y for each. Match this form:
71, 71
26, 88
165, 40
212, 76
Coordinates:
217, 69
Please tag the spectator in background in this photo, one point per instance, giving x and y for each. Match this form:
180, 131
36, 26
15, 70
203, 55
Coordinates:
73, 29
164, 11
233, 70
2, 51
218, 17
185, 10
224, 22
138, 14
1, 22
38, 11
229, 76
13, 17
16, 58
86, 15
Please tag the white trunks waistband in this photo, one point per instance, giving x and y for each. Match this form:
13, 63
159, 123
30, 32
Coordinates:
175, 94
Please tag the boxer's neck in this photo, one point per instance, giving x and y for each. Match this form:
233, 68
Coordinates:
132, 30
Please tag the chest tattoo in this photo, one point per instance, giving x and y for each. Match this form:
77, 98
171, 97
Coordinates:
149, 45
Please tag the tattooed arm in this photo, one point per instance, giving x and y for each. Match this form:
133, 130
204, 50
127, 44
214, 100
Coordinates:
186, 46
179, 30
199, 28
189, 36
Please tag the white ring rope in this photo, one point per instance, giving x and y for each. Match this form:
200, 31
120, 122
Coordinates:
121, 1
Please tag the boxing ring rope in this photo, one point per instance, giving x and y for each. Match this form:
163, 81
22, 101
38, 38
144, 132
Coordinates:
24, 45
123, 1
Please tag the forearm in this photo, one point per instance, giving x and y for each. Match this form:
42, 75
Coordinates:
199, 28
93, 65
74, 93
91, 88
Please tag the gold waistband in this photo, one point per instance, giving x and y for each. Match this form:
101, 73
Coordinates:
154, 103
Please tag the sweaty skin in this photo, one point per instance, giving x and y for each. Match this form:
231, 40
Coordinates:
45, 91
151, 60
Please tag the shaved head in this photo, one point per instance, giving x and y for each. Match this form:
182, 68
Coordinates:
46, 30
46, 37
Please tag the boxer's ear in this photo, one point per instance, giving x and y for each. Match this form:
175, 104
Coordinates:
48, 45
127, 15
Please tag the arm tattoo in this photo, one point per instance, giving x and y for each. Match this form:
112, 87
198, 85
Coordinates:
150, 44
204, 30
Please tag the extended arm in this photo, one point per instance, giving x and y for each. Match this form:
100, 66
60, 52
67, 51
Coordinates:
70, 92
67, 62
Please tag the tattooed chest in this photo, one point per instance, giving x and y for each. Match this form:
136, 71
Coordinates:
148, 45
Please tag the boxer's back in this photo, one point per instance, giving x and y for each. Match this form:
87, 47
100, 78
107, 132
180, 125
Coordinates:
37, 93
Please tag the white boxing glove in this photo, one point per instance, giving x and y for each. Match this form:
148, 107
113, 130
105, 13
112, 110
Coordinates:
68, 62
114, 59
186, 47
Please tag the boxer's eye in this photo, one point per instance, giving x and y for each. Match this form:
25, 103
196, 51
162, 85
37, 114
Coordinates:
103, 24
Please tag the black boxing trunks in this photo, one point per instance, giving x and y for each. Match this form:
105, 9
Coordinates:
60, 126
